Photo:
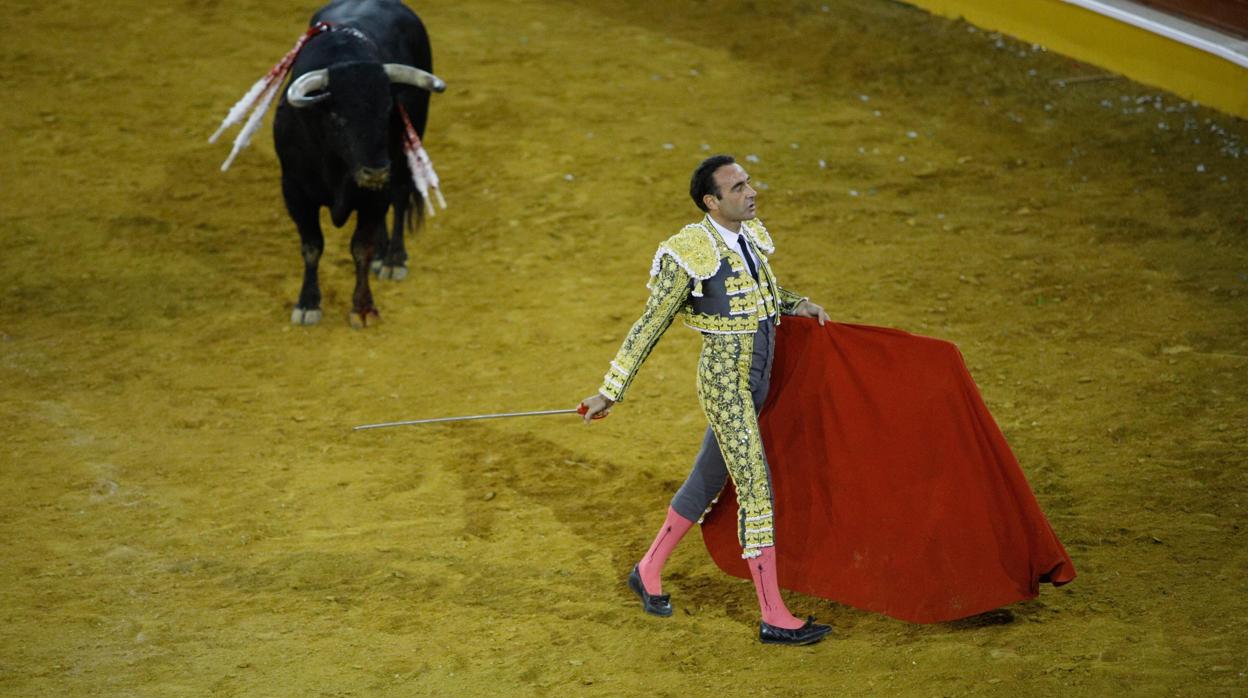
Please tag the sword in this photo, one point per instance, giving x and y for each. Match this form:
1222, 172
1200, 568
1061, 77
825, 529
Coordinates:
582, 409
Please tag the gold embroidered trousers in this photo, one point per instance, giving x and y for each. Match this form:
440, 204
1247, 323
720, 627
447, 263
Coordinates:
724, 390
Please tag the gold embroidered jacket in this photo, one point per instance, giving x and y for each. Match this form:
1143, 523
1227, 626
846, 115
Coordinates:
696, 275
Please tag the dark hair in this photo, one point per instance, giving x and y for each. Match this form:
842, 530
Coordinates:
703, 180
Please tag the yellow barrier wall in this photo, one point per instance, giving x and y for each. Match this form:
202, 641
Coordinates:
1093, 38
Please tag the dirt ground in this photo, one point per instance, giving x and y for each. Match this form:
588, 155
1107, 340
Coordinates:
186, 511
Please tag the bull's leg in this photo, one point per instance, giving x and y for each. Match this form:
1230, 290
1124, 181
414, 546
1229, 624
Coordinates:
311, 243
380, 247
393, 262
369, 222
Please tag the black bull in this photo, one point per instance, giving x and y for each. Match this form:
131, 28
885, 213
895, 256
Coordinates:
340, 143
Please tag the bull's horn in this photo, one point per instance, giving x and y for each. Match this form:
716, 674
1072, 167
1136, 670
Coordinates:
297, 93
408, 75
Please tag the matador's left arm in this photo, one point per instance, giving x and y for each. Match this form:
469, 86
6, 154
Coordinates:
788, 300
791, 303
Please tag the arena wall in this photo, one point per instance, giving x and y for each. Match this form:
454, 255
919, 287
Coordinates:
1194, 61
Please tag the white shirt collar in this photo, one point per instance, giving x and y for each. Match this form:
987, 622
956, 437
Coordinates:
730, 238
734, 241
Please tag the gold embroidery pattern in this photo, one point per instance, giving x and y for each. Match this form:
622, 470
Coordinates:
748, 302
741, 306
759, 235
724, 392
717, 324
767, 281
694, 250
669, 290
736, 285
789, 300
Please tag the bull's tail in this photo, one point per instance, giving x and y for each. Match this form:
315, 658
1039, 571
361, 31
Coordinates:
414, 216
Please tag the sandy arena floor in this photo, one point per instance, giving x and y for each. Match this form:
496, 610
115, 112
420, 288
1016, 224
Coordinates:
186, 512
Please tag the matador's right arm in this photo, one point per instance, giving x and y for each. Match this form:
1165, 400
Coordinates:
669, 291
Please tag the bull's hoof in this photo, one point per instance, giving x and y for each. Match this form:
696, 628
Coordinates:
364, 318
305, 316
395, 273
375, 267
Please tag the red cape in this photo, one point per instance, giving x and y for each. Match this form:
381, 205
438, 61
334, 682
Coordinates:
895, 489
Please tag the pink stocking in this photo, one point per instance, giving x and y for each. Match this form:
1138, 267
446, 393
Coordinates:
651, 566
763, 570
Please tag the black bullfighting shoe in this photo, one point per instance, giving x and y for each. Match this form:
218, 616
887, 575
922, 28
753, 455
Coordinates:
808, 634
654, 604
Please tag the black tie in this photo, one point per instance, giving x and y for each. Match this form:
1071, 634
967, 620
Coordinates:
749, 260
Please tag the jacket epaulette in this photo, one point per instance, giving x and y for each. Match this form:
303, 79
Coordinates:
693, 249
759, 235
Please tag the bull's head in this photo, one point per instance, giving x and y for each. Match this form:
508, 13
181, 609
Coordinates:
359, 111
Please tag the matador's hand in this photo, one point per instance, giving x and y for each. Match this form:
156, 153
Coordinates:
808, 309
596, 404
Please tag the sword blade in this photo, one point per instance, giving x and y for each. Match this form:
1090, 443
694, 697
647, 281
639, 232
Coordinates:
501, 415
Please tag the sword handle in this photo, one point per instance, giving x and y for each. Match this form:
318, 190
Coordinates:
583, 408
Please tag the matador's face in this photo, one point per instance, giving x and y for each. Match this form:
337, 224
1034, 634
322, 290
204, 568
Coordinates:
736, 196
